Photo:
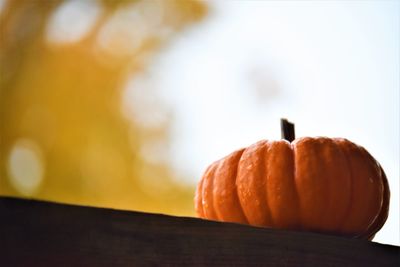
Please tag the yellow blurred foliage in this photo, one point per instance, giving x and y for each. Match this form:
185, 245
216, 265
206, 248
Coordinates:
63, 68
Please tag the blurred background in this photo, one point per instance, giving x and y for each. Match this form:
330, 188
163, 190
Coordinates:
123, 104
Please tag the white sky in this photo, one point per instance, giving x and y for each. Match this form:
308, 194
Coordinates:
332, 67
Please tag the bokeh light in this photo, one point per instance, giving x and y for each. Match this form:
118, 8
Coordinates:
130, 27
2, 4
72, 21
26, 166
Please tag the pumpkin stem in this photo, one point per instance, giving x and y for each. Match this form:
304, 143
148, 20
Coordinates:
287, 130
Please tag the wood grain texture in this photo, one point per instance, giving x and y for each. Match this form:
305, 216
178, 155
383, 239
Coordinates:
37, 233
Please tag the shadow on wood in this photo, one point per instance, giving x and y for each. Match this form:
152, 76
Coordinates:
36, 233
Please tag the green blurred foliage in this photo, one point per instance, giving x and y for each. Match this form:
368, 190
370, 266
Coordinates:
65, 98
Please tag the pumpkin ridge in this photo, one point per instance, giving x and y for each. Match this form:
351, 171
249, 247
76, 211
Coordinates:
326, 150
322, 151
264, 170
366, 232
208, 189
251, 182
384, 211
236, 187
312, 200
199, 193
199, 199
382, 215
225, 200
296, 190
349, 207
202, 212
213, 191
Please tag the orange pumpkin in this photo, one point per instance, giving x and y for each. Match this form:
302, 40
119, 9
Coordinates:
326, 185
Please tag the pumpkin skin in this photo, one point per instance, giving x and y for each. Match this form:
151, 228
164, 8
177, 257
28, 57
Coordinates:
325, 185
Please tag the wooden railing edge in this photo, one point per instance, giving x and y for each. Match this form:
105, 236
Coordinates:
41, 233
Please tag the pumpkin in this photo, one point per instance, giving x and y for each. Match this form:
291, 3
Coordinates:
317, 184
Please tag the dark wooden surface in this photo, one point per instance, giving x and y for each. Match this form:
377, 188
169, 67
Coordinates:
36, 233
